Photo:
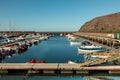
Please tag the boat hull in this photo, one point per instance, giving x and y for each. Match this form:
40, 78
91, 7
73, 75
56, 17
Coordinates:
71, 62
75, 43
81, 51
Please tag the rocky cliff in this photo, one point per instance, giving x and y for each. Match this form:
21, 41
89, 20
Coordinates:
106, 24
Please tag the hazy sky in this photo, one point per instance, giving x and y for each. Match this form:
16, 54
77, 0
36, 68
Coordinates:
52, 15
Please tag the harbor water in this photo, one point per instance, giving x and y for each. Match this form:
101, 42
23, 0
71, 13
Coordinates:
60, 78
56, 49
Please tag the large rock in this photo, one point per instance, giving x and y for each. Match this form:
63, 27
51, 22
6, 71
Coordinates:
106, 24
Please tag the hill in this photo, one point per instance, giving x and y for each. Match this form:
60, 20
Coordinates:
104, 24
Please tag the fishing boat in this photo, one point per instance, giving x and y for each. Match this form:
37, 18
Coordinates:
34, 61
71, 62
75, 42
96, 56
86, 43
102, 55
90, 49
41, 61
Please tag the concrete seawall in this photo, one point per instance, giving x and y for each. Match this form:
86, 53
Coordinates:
54, 68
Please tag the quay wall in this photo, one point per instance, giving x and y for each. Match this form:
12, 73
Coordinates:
54, 68
101, 38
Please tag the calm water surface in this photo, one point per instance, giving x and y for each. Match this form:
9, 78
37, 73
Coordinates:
59, 78
54, 50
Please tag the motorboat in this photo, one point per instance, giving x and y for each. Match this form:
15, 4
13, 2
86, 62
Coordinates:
75, 42
90, 49
34, 61
71, 62
41, 61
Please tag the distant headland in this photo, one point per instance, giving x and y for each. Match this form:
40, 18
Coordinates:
103, 24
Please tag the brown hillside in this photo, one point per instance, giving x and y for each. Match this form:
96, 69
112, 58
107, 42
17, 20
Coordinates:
106, 24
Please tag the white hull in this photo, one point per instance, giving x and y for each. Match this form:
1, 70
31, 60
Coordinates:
99, 56
75, 43
71, 62
80, 51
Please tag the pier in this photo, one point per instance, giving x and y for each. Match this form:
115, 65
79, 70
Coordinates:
55, 68
107, 39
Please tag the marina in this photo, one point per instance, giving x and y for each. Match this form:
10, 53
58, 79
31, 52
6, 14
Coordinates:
59, 40
52, 46
19, 45
53, 66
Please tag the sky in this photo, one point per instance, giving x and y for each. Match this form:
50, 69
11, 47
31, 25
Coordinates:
52, 15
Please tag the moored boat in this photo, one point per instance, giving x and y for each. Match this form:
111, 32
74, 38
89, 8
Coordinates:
75, 42
71, 62
90, 49
41, 61
103, 55
34, 61
87, 47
